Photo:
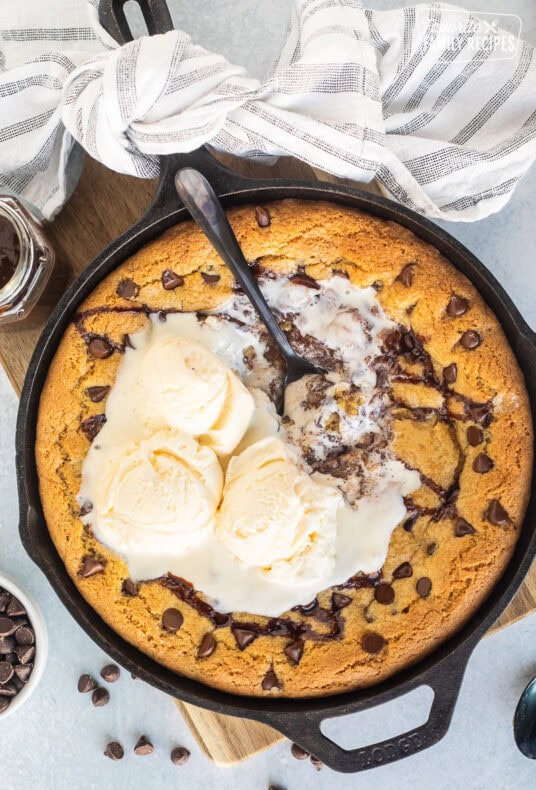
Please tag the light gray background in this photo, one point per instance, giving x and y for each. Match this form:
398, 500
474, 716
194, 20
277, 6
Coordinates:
55, 741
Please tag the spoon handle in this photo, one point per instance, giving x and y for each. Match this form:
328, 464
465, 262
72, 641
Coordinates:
205, 208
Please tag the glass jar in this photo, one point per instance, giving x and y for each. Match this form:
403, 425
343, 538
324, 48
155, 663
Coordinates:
26, 261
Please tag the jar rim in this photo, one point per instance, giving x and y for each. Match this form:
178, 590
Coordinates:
17, 280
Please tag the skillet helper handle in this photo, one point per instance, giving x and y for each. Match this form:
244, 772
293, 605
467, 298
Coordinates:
155, 13
444, 680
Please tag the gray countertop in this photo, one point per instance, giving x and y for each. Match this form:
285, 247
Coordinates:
55, 741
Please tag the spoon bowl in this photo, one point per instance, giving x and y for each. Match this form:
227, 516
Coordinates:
525, 721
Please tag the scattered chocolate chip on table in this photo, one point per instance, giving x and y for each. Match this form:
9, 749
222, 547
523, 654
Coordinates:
114, 751
110, 673
180, 755
86, 683
143, 746
100, 697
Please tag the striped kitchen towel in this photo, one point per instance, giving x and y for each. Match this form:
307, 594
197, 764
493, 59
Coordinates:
437, 104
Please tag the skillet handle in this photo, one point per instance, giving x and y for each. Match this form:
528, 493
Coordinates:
444, 680
112, 18
223, 179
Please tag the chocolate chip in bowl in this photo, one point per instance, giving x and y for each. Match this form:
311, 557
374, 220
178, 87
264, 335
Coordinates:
23, 646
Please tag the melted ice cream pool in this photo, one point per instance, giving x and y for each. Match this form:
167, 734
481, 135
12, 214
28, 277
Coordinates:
193, 472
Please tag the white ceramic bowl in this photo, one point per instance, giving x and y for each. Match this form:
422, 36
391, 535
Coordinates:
37, 622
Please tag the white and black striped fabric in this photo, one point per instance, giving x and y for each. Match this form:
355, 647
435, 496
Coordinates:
447, 127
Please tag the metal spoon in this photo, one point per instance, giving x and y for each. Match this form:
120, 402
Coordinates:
525, 721
205, 208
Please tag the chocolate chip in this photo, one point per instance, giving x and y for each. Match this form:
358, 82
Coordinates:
496, 513
7, 645
143, 746
450, 373
221, 619
457, 305
129, 588
462, 528
4, 704
15, 608
294, 650
128, 289
479, 412
7, 626
409, 523
263, 217
244, 637
475, 436
470, 339
97, 394
406, 275
303, 279
424, 586
372, 642
91, 426
6, 672
482, 463
210, 279
279, 628
114, 751
86, 508
270, 681
207, 646
298, 752
4, 600
23, 672
110, 673
318, 764
339, 601
384, 593
172, 620
90, 566
410, 342
403, 571
100, 348
8, 690
170, 280
431, 549
24, 653
24, 635
86, 683
17, 682
179, 755
100, 697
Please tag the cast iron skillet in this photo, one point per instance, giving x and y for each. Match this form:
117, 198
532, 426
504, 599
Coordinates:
300, 720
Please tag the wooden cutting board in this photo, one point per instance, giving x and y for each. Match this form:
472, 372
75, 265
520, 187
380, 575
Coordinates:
103, 206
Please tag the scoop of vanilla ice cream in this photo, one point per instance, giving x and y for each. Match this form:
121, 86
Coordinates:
264, 422
275, 517
188, 388
158, 495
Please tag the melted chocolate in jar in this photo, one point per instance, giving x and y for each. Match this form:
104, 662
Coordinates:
9, 251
